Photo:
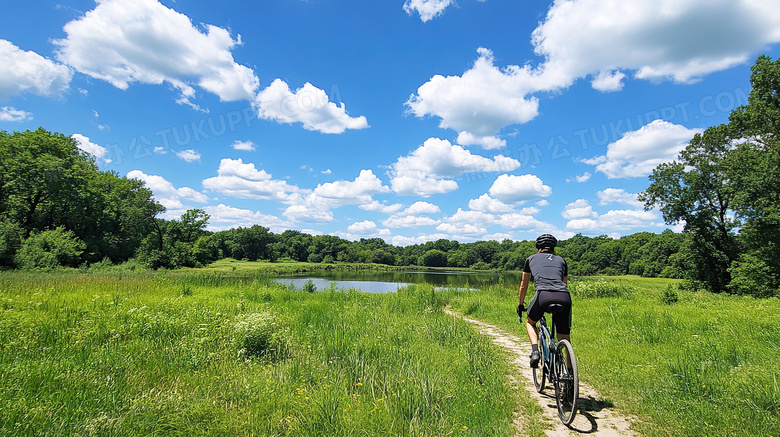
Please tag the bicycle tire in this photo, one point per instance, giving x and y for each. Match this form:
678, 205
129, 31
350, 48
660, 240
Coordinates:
567, 382
538, 372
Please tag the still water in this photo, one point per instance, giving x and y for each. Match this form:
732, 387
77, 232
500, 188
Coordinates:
385, 282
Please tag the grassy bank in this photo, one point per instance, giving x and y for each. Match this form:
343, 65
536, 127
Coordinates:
227, 352
686, 363
160, 354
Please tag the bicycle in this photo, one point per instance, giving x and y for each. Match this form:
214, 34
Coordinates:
555, 355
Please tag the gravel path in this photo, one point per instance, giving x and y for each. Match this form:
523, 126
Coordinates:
595, 417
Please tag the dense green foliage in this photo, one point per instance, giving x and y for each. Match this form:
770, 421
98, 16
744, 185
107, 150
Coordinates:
57, 209
46, 184
725, 188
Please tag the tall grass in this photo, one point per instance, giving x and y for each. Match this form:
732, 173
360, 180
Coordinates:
208, 354
685, 363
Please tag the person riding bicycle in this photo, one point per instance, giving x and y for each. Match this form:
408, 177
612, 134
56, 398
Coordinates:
550, 274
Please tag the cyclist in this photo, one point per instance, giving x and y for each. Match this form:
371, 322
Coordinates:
550, 274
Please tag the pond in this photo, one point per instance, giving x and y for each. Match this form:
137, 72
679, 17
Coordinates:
385, 282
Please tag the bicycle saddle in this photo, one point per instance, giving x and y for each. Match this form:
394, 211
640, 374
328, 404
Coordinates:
553, 308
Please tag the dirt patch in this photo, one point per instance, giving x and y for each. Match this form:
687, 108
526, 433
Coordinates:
595, 416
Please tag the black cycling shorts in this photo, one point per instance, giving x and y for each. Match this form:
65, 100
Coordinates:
561, 319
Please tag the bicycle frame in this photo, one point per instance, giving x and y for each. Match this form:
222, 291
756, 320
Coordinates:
562, 375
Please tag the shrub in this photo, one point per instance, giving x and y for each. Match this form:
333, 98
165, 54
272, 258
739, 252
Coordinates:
752, 276
669, 295
257, 335
309, 286
50, 249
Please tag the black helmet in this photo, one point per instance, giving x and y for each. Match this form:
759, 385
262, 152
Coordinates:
546, 241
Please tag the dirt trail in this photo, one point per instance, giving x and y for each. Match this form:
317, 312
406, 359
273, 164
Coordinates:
595, 418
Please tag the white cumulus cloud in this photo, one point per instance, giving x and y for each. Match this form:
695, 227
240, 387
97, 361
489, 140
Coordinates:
167, 194
24, 71
608, 41
432, 168
244, 145
514, 189
188, 155
225, 217
480, 102
8, 113
83, 143
680, 40
428, 9
637, 153
243, 180
578, 209
127, 41
308, 105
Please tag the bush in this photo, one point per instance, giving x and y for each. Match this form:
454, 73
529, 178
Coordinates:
50, 249
257, 335
669, 295
751, 275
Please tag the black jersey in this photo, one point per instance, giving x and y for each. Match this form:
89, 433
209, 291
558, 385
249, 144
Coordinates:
548, 270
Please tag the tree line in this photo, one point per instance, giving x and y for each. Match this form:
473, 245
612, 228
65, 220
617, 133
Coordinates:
58, 209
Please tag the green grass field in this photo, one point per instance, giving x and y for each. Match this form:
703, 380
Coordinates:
225, 351
205, 354
704, 364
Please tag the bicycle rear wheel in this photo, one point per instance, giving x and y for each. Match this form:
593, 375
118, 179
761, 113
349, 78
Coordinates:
567, 382
538, 372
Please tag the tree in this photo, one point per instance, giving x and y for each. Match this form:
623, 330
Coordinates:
696, 189
433, 258
728, 179
10, 241
756, 178
172, 246
192, 225
46, 182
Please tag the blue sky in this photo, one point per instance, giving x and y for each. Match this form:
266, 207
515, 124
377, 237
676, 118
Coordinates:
406, 120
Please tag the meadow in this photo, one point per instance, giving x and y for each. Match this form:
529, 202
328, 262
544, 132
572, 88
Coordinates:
684, 363
229, 352
207, 354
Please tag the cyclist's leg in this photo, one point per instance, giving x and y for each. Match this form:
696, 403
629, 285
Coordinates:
530, 327
534, 314
562, 320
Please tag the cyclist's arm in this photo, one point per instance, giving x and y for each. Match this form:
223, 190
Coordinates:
524, 287
566, 280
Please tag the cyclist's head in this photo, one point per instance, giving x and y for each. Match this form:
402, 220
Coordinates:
546, 241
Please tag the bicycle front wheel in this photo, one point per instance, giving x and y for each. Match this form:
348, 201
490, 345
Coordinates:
567, 382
